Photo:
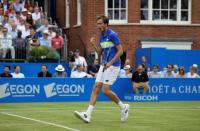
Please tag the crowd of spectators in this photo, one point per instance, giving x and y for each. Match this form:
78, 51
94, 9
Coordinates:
80, 69
24, 25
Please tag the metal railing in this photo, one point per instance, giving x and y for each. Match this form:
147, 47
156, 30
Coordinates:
22, 52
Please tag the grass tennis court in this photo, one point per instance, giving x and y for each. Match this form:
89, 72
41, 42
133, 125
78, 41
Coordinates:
159, 116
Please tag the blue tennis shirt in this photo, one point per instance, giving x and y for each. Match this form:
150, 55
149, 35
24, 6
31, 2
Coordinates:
108, 42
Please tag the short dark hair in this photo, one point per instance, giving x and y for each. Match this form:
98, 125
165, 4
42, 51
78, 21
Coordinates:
155, 65
8, 66
44, 66
104, 18
16, 66
171, 65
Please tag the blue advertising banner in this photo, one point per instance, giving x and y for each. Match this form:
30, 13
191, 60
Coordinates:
67, 89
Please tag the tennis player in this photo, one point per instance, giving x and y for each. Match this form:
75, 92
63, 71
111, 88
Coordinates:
110, 66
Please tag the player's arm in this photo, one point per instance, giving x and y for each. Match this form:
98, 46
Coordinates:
117, 56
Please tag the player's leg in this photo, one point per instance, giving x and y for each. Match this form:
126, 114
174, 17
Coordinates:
95, 93
106, 90
110, 76
86, 116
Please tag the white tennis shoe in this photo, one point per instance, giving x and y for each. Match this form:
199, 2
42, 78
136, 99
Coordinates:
83, 116
124, 113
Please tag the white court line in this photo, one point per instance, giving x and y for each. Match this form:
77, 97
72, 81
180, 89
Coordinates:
40, 121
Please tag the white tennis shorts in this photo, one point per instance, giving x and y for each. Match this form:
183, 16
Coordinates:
109, 75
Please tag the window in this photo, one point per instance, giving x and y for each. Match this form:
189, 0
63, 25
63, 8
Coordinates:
78, 12
67, 13
166, 11
116, 10
178, 45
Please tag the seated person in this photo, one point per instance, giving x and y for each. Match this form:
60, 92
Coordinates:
6, 72
125, 72
155, 73
79, 72
16, 73
140, 79
94, 68
45, 40
181, 73
60, 72
170, 73
44, 72
32, 39
192, 73
6, 44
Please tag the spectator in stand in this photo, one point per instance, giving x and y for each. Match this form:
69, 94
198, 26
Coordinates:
6, 44
155, 73
19, 5
16, 73
94, 68
31, 10
1, 15
1, 31
29, 19
11, 14
21, 25
19, 42
36, 15
145, 68
45, 26
164, 70
28, 4
45, 40
52, 34
195, 68
5, 5
175, 69
122, 71
192, 73
79, 60
6, 72
24, 14
60, 72
170, 73
6, 23
57, 43
26, 32
44, 72
127, 72
140, 79
20, 46
32, 39
17, 18
144, 61
181, 73
13, 31
40, 22
79, 73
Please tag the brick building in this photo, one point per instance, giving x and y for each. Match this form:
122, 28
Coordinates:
174, 24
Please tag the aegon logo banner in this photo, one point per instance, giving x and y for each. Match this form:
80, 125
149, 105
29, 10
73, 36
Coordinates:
20, 90
54, 89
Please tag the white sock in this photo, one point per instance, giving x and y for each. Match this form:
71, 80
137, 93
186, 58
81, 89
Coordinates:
121, 105
89, 110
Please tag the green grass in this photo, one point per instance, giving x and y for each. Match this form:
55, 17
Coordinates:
159, 116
